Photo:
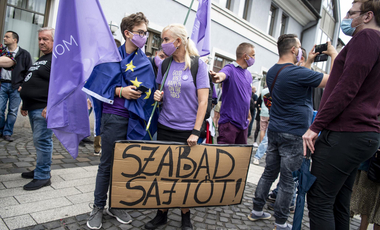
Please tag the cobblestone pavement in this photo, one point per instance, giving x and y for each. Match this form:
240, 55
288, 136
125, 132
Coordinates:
19, 156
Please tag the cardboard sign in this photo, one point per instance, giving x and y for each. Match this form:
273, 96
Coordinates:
165, 175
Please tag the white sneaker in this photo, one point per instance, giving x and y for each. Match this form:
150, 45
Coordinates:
256, 161
255, 145
97, 153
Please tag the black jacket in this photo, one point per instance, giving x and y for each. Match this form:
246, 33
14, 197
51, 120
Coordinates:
24, 61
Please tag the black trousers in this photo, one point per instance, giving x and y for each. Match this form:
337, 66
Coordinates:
335, 162
257, 130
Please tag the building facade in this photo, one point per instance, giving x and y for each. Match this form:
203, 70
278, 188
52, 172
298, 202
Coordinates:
259, 22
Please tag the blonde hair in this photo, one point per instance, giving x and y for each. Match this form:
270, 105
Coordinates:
179, 31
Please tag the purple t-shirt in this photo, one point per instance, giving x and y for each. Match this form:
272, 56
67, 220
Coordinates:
236, 96
180, 101
117, 107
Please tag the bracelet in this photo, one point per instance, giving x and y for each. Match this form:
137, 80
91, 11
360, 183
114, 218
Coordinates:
196, 132
121, 90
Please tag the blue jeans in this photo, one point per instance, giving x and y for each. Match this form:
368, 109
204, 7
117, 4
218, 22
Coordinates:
113, 128
284, 155
262, 147
43, 142
8, 93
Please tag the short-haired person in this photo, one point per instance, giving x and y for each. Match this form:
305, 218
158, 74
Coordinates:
184, 104
11, 82
234, 113
264, 142
34, 95
291, 115
347, 119
114, 122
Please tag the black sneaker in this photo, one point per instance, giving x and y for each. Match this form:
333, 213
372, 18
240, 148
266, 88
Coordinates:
96, 218
8, 138
37, 184
28, 175
87, 140
186, 222
161, 218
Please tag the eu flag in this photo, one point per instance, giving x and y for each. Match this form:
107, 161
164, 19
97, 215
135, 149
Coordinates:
134, 69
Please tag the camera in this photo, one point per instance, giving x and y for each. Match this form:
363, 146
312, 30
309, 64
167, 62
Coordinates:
318, 49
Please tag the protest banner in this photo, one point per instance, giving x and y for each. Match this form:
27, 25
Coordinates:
166, 175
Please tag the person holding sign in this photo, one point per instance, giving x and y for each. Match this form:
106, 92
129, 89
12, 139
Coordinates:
184, 102
116, 117
234, 114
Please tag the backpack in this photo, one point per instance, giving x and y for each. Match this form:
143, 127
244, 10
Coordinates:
194, 71
267, 100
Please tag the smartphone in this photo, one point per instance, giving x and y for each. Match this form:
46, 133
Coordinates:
142, 89
319, 49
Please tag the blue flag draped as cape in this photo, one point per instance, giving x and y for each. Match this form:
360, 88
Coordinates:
134, 69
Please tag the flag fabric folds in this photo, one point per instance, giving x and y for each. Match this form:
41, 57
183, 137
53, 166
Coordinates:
82, 40
135, 69
202, 28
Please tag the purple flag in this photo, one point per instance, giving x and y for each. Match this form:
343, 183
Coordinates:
202, 28
82, 40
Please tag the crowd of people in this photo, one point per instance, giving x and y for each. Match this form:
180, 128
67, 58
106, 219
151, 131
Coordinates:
344, 135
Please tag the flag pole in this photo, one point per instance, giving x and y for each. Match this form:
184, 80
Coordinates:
188, 12
156, 103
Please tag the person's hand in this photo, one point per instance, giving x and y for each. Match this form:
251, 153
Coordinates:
216, 118
312, 55
331, 51
158, 95
130, 92
24, 112
192, 140
43, 114
89, 105
309, 140
215, 77
19, 88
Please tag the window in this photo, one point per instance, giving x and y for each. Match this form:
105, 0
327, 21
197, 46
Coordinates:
25, 17
228, 4
284, 20
329, 6
220, 62
153, 42
247, 5
272, 15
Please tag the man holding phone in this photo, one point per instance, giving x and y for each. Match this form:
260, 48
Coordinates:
291, 113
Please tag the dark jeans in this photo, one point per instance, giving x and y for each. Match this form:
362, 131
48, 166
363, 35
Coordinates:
336, 159
230, 134
113, 128
257, 130
284, 155
251, 124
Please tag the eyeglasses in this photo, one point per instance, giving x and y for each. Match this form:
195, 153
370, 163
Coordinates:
350, 13
141, 33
